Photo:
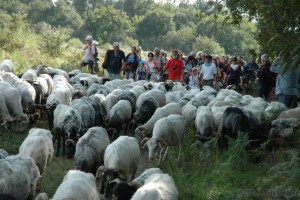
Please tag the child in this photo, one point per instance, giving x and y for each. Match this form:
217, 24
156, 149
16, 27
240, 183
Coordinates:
141, 71
155, 77
187, 69
96, 58
194, 78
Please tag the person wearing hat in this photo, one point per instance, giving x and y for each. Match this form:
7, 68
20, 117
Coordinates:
115, 58
175, 66
141, 72
89, 52
96, 57
287, 82
266, 78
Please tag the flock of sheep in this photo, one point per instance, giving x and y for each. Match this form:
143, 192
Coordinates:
86, 114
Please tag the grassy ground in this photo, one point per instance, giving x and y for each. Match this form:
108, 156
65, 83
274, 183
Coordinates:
203, 172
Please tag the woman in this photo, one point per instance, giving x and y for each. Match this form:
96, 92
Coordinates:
234, 72
131, 63
150, 64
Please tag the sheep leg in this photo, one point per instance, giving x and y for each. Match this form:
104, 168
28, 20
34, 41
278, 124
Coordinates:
165, 154
126, 127
161, 153
58, 144
64, 144
179, 155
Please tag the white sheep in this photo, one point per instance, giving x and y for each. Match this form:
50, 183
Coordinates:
167, 131
204, 123
291, 113
29, 75
7, 66
157, 186
189, 113
146, 129
109, 102
126, 190
52, 71
77, 185
39, 146
218, 116
258, 106
13, 105
90, 149
121, 159
273, 110
19, 176
3, 154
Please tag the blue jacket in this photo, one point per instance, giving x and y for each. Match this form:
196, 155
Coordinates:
286, 82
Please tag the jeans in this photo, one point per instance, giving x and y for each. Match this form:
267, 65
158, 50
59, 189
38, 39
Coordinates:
290, 101
264, 92
112, 76
129, 74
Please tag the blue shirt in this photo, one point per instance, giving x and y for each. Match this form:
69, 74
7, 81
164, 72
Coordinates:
286, 82
188, 67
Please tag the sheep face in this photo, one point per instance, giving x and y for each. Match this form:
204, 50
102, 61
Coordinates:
140, 133
107, 185
124, 191
153, 147
23, 122
70, 148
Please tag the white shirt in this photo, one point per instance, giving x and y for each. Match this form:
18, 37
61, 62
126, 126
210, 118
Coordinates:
88, 55
208, 70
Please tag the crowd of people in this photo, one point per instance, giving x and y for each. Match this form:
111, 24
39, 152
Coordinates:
198, 70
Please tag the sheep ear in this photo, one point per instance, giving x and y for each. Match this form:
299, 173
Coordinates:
161, 142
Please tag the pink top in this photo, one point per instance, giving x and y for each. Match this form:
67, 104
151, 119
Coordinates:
149, 65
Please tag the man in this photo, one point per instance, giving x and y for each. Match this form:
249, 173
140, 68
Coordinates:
208, 73
115, 58
266, 78
158, 58
175, 66
89, 52
287, 82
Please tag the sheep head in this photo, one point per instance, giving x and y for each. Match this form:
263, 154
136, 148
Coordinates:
22, 121
140, 133
152, 144
70, 148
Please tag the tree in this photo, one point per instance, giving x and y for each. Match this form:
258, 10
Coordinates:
182, 39
108, 24
208, 45
155, 24
278, 22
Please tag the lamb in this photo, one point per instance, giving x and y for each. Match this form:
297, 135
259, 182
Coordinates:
39, 146
77, 185
13, 105
7, 66
121, 159
167, 131
19, 176
146, 129
68, 126
119, 114
157, 186
90, 149
204, 123
86, 111
124, 191
3, 154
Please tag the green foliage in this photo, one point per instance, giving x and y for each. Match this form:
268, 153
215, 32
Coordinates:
53, 40
108, 24
208, 45
155, 24
278, 22
182, 39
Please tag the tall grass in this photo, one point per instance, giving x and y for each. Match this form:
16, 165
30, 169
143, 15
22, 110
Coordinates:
204, 172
